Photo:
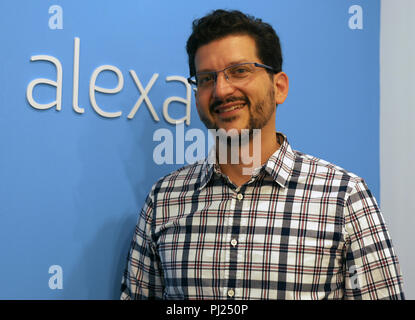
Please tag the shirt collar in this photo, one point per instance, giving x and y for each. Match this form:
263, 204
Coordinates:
281, 163
279, 166
208, 168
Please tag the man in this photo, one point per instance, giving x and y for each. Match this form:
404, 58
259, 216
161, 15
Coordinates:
294, 227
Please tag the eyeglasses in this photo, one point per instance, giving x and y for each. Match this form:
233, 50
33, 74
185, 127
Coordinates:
235, 74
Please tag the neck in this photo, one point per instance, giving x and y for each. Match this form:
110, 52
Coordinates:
242, 160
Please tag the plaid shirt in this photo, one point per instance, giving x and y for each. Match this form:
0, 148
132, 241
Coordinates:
301, 228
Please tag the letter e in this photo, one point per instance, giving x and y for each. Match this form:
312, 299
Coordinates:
93, 88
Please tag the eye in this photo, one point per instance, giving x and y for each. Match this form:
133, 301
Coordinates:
240, 71
205, 78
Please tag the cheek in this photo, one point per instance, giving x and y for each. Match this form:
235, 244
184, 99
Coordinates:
196, 98
202, 104
199, 107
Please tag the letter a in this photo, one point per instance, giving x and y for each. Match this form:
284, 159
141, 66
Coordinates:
356, 20
56, 281
57, 84
56, 21
165, 147
186, 101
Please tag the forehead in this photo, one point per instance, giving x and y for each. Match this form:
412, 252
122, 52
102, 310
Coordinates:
223, 52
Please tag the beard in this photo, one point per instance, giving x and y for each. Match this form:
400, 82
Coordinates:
259, 114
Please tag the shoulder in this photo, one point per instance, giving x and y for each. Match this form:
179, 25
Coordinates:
309, 166
184, 178
334, 184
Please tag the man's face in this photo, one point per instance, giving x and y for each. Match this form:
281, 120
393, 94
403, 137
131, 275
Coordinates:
251, 105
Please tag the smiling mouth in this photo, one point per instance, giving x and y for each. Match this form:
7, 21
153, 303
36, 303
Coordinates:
230, 108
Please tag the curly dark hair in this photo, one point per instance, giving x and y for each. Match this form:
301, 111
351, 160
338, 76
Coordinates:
221, 23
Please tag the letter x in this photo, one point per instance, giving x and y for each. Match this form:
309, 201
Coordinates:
144, 93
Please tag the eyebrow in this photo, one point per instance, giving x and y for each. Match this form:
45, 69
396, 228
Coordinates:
228, 65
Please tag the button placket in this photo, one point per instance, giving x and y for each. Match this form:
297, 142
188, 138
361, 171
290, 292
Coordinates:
235, 255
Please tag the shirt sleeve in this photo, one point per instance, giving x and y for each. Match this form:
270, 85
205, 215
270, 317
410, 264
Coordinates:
142, 278
371, 269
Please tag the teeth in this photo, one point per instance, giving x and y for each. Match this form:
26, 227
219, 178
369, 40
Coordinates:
238, 106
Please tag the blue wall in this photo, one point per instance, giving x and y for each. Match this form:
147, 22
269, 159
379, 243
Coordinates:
72, 184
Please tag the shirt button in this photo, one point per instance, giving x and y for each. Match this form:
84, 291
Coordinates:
234, 242
231, 293
239, 196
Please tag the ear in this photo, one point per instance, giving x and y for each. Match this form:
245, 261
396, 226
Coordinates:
281, 87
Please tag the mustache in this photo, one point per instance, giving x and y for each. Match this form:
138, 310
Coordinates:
218, 102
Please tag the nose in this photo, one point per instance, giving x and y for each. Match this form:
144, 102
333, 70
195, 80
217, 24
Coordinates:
222, 87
